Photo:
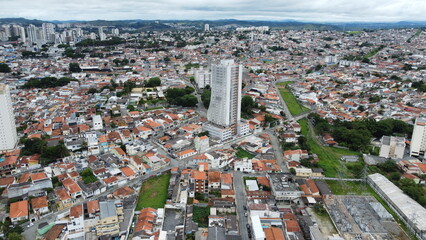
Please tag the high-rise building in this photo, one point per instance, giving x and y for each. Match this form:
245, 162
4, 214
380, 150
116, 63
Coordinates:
224, 113
206, 27
102, 35
48, 32
418, 139
32, 33
6, 29
115, 32
22, 34
8, 136
202, 77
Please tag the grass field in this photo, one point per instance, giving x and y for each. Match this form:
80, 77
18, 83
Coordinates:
290, 100
354, 32
329, 157
349, 188
153, 192
241, 153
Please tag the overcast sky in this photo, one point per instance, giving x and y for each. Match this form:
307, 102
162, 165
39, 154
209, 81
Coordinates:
301, 10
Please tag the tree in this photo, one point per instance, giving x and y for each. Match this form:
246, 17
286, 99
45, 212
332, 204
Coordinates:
74, 67
293, 171
131, 107
247, 104
15, 236
153, 82
92, 91
188, 101
205, 97
4, 68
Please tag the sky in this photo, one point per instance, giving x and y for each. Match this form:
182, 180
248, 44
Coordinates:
274, 10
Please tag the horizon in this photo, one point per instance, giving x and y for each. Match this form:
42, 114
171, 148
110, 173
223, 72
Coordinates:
320, 11
217, 20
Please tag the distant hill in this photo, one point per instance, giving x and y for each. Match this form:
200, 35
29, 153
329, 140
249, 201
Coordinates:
159, 25
22, 21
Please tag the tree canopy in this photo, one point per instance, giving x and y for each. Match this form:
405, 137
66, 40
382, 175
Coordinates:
4, 68
48, 82
181, 97
74, 67
247, 104
153, 82
357, 134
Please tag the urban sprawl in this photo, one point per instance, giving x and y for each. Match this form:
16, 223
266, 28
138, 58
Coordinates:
223, 132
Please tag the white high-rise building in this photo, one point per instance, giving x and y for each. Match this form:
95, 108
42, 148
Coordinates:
202, 77
48, 32
102, 35
22, 34
115, 32
418, 139
206, 27
225, 103
32, 33
8, 136
224, 113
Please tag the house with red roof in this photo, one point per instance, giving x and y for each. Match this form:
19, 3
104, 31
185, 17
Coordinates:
18, 211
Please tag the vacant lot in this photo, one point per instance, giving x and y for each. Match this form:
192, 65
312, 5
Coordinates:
241, 153
153, 192
201, 216
290, 100
329, 157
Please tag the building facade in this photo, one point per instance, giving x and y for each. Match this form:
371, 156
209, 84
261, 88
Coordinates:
224, 113
392, 147
8, 135
418, 139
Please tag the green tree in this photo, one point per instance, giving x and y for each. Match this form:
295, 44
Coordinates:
4, 68
247, 104
153, 82
205, 97
92, 91
74, 67
14, 236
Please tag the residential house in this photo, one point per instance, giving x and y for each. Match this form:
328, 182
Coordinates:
18, 211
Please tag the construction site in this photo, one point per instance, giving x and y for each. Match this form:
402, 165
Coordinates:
362, 217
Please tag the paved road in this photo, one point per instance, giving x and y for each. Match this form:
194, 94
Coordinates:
277, 150
240, 200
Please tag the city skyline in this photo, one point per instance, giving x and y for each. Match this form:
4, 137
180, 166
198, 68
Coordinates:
313, 11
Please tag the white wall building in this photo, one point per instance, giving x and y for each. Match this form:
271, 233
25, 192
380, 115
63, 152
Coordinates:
224, 113
202, 77
97, 122
392, 147
8, 135
201, 143
418, 139
225, 103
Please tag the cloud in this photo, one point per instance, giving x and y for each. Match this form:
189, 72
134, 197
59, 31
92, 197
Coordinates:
302, 10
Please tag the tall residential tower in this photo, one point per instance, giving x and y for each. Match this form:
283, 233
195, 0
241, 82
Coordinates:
418, 140
8, 136
224, 113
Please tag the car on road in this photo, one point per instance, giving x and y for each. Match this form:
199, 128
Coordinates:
247, 225
245, 208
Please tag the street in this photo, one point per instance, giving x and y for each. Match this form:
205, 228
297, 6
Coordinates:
240, 201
